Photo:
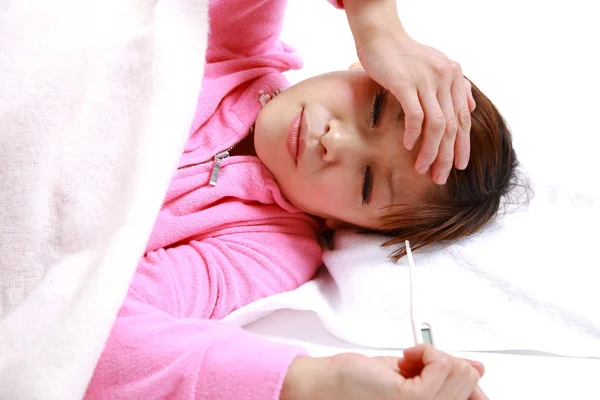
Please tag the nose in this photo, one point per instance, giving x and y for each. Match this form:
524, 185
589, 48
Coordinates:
338, 142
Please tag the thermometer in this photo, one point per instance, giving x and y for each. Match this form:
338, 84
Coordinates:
422, 332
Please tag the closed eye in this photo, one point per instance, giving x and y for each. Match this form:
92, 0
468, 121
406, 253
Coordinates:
377, 107
367, 185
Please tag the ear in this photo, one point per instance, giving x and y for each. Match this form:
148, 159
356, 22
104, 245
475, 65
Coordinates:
355, 65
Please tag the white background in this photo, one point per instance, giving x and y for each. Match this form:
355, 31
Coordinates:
538, 61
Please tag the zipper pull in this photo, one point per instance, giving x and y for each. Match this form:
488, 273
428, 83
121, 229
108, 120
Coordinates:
217, 167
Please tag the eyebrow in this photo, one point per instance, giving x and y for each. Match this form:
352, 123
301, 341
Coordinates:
385, 102
390, 183
390, 176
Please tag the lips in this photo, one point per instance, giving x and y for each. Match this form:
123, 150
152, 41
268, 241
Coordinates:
295, 146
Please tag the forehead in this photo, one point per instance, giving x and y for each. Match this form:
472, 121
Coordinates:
398, 163
350, 78
409, 187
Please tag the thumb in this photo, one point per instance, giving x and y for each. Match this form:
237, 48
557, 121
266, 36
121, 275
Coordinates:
413, 367
478, 366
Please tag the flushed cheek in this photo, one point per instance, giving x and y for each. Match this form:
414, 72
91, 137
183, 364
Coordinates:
310, 198
331, 201
345, 98
335, 91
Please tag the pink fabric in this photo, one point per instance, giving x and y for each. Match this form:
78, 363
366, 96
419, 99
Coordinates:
215, 249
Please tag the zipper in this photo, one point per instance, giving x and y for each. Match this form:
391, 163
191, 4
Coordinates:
218, 159
217, 167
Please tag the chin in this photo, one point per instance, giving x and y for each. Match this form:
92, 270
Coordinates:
302, 207
261, 142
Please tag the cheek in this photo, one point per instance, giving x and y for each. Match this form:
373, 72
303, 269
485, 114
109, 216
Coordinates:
268, 120
305, 196
326, 197
336, 91
269, 139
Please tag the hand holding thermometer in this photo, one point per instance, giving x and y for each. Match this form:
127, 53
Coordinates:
421, 331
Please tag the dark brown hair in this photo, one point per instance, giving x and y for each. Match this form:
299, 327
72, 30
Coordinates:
471, 198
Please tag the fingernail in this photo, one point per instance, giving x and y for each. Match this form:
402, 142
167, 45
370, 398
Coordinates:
408, 144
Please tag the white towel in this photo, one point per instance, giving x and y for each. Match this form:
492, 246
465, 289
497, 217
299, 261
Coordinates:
96, 101
527, 283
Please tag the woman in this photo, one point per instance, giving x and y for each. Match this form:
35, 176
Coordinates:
257, 185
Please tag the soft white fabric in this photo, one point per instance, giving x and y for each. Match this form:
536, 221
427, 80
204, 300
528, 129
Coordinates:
528, 282
96, 100
537, 62
507, 376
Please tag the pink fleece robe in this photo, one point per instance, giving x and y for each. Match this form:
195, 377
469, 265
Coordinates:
215, 248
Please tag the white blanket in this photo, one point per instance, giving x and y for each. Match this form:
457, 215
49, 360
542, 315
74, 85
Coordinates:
528, 283
96, 101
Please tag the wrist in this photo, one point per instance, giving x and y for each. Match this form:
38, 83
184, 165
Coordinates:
371, 19
307, 378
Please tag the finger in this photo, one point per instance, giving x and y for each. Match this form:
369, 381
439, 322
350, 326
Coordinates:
410, 374
414, 367
478, 394
355, 65
409, 368
415, 353
407, 364
437, 368
413, 113
433, 130
443, 162
478, 366
461, 381
463, 116
470, 98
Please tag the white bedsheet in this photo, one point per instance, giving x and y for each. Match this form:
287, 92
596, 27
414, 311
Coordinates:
538, 63
528, 282
508, 376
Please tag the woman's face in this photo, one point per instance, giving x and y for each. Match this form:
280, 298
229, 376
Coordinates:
334, 144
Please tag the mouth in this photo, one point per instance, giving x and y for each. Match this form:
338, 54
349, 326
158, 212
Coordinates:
295, 146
